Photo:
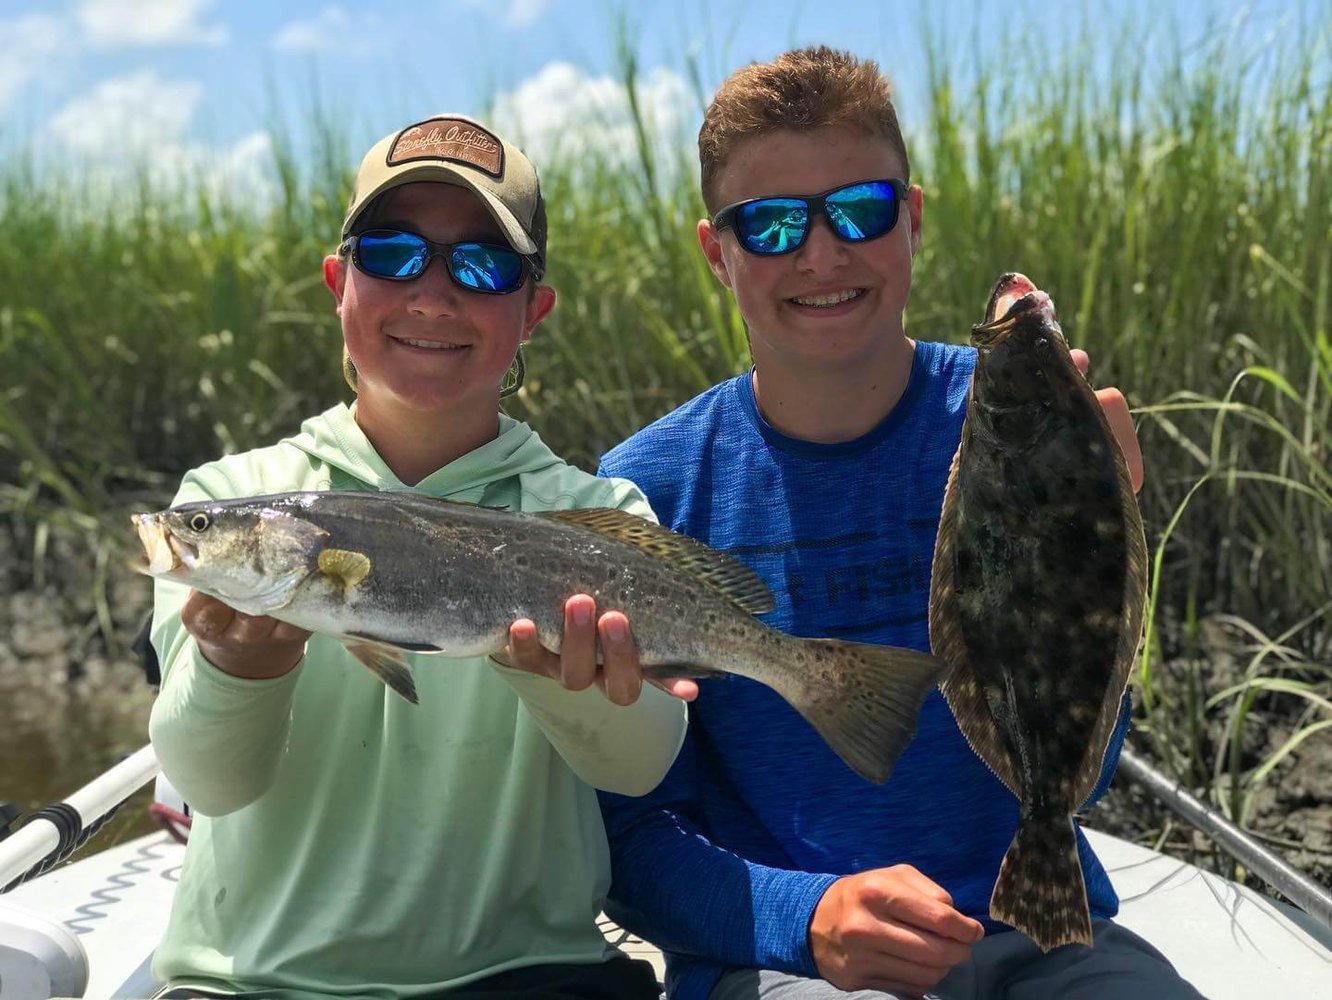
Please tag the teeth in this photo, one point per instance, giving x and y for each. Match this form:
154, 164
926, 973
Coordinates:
433, 344
828, 300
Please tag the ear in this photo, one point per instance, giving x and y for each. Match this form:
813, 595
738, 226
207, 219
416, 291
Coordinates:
335, 277
538, 308
915, 212
710, 240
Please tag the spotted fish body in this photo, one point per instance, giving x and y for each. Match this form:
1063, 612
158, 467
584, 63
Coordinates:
387, 573
1037, 597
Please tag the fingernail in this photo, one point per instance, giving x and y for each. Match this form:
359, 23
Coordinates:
582, 614
615, 630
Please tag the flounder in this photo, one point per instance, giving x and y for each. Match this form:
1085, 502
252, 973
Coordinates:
1037, 597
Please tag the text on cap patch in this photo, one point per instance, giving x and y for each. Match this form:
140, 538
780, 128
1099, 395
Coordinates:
449, 139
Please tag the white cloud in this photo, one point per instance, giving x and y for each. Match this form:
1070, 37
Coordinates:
140, 122
39, 49
516, 13
30, 43
332, 30
128, 23
127, 116
241, 173
563, 112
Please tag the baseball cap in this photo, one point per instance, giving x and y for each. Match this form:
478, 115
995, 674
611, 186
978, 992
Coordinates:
456, 149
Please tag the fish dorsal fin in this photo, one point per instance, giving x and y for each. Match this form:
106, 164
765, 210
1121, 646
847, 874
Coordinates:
719, 571
1130, 631
963, 690
345, 566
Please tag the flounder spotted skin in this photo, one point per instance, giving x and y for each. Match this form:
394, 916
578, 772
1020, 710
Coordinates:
1037, 597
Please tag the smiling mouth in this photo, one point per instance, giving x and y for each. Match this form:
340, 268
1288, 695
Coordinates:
431, 345
826, 301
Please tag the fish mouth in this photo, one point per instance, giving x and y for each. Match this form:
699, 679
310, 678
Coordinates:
1008, 289
1013, 300
163, 552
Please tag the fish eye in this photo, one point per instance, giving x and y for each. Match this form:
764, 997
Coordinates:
1043, 347
200, 522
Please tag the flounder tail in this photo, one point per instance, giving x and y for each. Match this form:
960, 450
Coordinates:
867, 705
1040, 889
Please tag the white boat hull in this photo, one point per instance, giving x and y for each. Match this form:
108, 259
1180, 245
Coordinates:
1229, 941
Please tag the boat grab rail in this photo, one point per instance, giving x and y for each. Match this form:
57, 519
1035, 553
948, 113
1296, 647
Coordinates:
51, 834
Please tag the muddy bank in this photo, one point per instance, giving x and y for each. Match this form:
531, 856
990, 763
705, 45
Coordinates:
1289, 809
73, 698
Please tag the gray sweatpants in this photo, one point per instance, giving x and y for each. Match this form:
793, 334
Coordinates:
1007, 966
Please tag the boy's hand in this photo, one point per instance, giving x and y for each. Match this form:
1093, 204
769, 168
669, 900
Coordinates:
1121, 422
619, 676
889, 929
256, 647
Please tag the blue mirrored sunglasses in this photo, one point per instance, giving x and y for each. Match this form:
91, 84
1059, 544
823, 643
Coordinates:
394, 255
857, 212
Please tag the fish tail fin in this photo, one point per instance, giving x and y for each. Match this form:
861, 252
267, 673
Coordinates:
387, 664
866, 704
1040, 890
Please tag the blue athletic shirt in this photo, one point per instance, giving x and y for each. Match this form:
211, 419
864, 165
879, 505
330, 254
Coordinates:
723, 864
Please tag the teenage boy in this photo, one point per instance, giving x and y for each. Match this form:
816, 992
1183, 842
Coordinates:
345, 842
762, 864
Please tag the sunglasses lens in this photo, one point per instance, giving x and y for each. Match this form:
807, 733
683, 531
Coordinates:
863, 211
772, 225
483, 267
389, 254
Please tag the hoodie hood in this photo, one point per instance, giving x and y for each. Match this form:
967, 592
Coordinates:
335, 438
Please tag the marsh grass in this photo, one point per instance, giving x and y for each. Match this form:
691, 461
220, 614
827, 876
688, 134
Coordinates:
1177, 206
1185, 217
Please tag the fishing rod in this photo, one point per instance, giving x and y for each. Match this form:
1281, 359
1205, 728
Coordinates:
1292, 883
52, 834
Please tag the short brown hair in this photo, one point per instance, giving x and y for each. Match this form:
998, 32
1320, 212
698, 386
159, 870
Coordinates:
801, 89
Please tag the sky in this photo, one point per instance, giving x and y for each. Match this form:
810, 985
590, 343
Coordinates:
199, 84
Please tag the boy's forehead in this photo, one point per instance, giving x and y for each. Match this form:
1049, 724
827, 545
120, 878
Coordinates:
805, 162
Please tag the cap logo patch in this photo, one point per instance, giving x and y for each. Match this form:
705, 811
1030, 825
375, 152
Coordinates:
449, 139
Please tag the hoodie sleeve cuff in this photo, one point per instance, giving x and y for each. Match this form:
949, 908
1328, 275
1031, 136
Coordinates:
782, 914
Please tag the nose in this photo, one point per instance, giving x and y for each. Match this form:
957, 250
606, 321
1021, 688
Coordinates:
822, 251
433, 292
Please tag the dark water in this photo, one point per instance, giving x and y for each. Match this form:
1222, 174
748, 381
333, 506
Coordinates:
57, 735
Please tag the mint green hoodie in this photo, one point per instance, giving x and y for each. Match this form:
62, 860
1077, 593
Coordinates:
348, 843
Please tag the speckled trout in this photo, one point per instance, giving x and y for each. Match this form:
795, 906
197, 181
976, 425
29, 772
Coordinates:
1037, 597
393, 573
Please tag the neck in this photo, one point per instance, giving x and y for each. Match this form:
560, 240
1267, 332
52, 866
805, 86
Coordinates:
414, 444
829, 406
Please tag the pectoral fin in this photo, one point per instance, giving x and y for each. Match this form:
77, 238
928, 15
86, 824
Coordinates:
347, 567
